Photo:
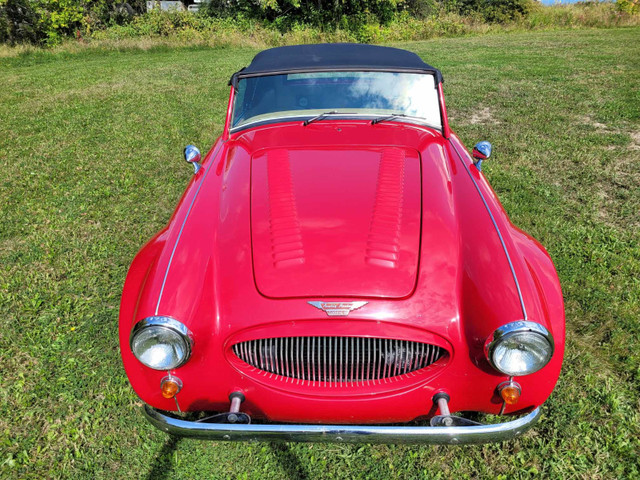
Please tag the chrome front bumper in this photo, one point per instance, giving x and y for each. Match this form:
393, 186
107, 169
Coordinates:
342, 433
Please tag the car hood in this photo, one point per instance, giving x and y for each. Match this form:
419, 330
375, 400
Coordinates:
336, 221
287, 215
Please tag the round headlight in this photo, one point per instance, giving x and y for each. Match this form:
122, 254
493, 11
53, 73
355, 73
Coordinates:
519, 348
161, 343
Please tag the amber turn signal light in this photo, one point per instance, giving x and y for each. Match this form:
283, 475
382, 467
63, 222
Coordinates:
510, 392
170, 386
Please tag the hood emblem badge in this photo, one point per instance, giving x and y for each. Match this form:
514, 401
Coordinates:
337, 309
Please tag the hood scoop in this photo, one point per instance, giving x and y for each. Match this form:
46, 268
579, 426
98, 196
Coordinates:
336, 222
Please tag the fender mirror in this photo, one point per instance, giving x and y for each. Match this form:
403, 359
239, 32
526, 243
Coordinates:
481, 151
192, 155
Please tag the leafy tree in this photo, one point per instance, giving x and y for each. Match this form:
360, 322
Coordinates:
315, 12
631, 7
19, 22
495, 10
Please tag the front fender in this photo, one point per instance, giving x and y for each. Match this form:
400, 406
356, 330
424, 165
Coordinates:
144, 283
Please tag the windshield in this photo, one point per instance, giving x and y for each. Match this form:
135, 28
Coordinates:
412, 96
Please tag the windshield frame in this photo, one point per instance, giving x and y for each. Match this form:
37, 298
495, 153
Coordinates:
419, 121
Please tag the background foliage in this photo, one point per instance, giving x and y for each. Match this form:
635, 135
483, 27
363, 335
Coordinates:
48, 22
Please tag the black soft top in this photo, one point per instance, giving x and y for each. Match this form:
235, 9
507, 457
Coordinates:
325, 57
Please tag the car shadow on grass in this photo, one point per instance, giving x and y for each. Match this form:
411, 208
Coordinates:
289, 461
163, 464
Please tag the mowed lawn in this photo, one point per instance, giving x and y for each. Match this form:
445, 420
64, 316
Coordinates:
91, 167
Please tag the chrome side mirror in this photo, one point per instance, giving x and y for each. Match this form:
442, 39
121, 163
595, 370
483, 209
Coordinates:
192, 155
481, 151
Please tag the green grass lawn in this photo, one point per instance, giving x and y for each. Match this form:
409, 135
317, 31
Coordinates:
90, 153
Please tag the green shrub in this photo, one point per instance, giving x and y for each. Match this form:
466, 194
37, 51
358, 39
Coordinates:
49, 21
278, 22
59, 18
39, 21
496, 11
327, 13
631, 7
20, 23
421, 9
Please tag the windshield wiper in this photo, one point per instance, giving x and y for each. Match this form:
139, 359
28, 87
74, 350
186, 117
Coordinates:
388, 117
319, 117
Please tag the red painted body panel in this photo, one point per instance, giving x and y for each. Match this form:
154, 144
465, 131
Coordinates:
335, 221
220, 269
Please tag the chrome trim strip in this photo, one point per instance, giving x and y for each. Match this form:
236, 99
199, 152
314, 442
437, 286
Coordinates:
292, 71
175, 246
415, 121
342, 433
493, 220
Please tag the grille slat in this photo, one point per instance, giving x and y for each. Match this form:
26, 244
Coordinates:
306, 355
366, 345
396, 360
313, 359
352, 349
286, 355
386, 360
324, 363
405, 357
334, 342
337, 360
407, 362
261, 357
297, 358
360, 360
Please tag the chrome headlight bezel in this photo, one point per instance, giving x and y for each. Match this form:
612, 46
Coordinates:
171, 325
517, 328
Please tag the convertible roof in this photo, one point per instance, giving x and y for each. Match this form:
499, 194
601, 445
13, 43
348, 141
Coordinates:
333, 56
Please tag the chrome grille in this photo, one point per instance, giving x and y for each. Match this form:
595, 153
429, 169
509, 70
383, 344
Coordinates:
337, 359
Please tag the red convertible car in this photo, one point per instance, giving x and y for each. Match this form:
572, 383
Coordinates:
339, 269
